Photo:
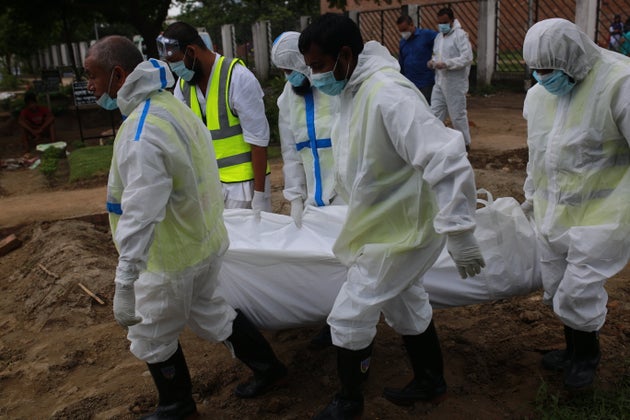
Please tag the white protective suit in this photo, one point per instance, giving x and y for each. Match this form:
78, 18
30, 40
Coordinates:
407, 181
451, 84
165, 203
304, 123
578, 175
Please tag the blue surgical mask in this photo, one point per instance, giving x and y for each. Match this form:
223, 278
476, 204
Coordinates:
106, 101
557, 82
444, 28
327, 83
180, 69
295, 78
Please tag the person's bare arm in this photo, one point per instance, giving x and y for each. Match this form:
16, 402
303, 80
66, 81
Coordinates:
259, 163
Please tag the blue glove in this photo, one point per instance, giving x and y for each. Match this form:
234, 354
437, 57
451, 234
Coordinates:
464, 250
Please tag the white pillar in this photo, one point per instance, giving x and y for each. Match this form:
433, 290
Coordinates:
65, 59
586, 16
83, 47
228, 41
260, 33
412, 11
54, 51
486, 37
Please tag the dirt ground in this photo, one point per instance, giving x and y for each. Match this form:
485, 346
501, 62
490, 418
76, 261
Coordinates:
62, 356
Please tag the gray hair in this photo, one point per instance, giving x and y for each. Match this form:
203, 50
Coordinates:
115, 50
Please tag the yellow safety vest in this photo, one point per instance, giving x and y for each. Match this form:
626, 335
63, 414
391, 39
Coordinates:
234, 155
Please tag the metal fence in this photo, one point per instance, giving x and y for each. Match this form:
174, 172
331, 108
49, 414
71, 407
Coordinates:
514, 18
380, 25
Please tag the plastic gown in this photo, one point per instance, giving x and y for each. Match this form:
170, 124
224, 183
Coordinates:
165, 204
578, 176
407, 181
304, 123
451, 84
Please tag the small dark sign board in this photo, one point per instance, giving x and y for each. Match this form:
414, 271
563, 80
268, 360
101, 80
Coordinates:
50, 82
82, 96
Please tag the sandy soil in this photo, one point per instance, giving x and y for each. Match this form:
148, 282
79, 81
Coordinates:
63, 356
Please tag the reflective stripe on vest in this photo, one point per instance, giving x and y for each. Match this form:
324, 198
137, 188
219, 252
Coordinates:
234, 157
314, 143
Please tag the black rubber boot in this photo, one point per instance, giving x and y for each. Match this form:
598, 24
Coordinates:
558, 360
251, 347
172, 380
428, 383
353, 370
586, 355
322, 340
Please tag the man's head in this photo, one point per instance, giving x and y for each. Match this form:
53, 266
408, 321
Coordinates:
559, 52
445, 19
183, 48
30, 100
108, 63
617, 19
405, 26
332, 43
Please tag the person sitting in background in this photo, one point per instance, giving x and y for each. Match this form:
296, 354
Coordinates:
37, 122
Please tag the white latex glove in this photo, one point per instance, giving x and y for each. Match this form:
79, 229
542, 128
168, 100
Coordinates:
297, 208
125, 304
440, 65
528, 208
258, 203
464, 250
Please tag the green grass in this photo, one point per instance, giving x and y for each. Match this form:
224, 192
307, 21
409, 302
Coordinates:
610, 404
89, 162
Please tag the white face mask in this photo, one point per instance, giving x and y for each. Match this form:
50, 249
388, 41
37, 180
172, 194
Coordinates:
405, 35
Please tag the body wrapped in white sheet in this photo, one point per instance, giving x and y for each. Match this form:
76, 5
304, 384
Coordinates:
285, 277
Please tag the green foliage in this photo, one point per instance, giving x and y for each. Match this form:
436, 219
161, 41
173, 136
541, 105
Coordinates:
595, 404
50, 160
9, 81
273, 88
90, 162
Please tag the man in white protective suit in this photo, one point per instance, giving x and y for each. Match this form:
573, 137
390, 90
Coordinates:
578, 182
452, 57
165, 205
304, 121
409, 188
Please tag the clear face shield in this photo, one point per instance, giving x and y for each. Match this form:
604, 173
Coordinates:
166, 46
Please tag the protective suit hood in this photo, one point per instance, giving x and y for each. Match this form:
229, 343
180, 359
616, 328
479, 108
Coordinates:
373, 58
559, 44
285, 53
148, 77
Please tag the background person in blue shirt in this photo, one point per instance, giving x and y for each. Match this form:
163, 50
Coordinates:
416, 48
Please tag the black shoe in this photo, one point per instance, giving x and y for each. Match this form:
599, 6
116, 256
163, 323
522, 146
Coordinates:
176, 411
415, 391
251, 347
261, 383
322, 340
583, 364
341, 409
556, 360
172, 381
